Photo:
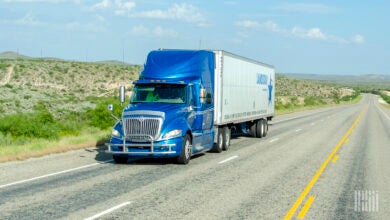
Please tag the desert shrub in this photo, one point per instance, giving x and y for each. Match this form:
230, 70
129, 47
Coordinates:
29, 125
385, 97
313, 101
350, 97
41, 124
4, 66
100, 117
8, 86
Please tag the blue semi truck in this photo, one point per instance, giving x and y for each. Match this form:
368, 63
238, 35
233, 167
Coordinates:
186, 102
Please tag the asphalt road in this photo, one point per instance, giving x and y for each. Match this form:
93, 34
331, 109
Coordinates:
331, 163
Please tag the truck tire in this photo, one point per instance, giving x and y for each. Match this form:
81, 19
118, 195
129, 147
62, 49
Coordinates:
260, 128
265, 128
253, 129
226, 138
186, 151
219, 146
120, 159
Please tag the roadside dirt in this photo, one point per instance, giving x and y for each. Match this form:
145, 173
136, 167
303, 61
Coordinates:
8, 74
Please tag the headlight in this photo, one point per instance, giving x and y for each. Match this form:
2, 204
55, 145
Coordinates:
115, 133
171, 134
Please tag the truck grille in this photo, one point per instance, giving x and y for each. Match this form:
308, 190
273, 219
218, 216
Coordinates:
142, 128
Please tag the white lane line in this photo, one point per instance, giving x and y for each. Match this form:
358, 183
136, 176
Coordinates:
228, 159
298, 130
273, 140
52, 174
108, 211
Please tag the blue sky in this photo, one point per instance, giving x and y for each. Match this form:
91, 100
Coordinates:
320, 37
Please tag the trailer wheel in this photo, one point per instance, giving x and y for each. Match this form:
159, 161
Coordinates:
219, 146
120, 159
260, 128
265, 128
186, 151
226, 138
253, 129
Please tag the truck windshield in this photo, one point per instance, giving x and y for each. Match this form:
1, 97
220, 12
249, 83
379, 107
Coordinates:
166, 93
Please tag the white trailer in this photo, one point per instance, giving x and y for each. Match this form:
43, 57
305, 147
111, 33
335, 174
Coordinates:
244, 93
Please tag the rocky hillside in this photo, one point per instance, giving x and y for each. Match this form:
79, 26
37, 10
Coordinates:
60, 84
294, 91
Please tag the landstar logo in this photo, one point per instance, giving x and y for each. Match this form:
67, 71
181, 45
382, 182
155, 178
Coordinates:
262, 79
270, 87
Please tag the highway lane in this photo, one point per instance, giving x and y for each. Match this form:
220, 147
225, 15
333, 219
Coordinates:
255, 179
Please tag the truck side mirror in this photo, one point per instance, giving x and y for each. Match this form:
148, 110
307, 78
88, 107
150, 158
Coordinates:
122, 94
110, 107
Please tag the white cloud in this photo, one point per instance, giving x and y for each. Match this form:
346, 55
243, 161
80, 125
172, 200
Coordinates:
27, 20
100, 18
184, 12
247, 24
119, 6
268, 25
41, 1
181, 12
315, 33
358, 39
88, 27
102, 5
158, 31
306, 8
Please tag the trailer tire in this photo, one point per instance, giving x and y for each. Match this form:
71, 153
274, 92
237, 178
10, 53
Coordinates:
265, 128
186, 151
253, 129
226, 138
120, 159
219, 145
260, 128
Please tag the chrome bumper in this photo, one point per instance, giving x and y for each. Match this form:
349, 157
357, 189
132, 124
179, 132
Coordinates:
150, 146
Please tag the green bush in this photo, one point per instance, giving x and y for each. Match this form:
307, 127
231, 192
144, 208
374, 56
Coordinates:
385, 97
313, 101
4, 66
100, 117
350, 97
29, 125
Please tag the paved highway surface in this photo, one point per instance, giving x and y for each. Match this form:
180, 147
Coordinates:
331, 163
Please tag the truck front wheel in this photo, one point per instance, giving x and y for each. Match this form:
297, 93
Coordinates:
219, 146
186, 151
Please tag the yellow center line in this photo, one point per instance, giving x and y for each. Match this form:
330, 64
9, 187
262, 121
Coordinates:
306, 207
335, 158
298, 202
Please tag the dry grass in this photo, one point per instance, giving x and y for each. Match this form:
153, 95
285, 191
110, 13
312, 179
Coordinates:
41, 147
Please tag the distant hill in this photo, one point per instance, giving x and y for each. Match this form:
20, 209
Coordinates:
350, 78
12, 55
366, 81
112, 62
